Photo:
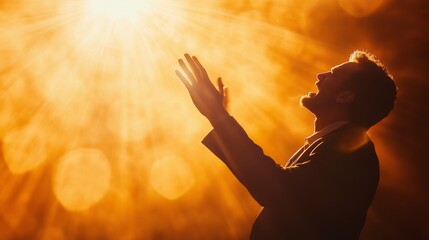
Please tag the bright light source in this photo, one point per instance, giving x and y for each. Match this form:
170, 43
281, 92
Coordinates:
117, 9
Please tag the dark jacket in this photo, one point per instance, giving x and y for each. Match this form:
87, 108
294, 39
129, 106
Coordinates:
322, 193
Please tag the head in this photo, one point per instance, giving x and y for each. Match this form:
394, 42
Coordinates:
360, 90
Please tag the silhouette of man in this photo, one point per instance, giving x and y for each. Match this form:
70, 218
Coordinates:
326, 187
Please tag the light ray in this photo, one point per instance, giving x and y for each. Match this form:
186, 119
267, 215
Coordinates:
99, 75
106, 78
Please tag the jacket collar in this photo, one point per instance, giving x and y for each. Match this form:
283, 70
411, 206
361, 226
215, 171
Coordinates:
325, 131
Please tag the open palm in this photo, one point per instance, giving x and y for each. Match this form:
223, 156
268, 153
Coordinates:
211, 102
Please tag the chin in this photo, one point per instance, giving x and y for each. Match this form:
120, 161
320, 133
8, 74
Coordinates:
305, 101
302, 101
308, 102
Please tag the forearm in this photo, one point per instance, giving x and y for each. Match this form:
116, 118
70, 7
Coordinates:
246, 160
259, 173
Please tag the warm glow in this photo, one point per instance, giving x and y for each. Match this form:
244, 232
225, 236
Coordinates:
24, 149
360, 8
99, 137
98, 76
171, 177
117, 9
82, 178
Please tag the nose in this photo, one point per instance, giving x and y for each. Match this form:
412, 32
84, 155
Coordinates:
322, 76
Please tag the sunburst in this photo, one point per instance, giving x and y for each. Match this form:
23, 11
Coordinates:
89, 86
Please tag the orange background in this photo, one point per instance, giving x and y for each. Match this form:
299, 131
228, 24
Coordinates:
100, 140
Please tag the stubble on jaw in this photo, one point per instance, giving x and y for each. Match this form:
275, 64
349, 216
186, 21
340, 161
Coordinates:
302, 101
306, 100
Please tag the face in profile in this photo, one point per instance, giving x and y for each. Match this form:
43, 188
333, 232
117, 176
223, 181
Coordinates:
329, 88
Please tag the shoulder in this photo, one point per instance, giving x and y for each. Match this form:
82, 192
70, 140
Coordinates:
349, 154
349, 144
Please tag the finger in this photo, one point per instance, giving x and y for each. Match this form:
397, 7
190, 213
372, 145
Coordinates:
220, 86
226, 98
194, 67
226, 94
184, 80
203, 71
187, 72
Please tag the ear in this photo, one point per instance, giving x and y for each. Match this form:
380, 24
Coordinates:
345, 97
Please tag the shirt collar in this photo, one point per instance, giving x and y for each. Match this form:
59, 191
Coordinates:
325, 131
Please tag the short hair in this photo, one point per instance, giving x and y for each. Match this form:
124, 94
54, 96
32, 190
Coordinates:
374, 88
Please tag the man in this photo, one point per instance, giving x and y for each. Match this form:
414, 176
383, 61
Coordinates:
326, 187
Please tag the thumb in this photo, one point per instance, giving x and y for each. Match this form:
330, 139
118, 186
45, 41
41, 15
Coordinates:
224, 92
226, 98
220, 86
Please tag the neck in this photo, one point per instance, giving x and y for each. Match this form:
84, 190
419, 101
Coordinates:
322, 121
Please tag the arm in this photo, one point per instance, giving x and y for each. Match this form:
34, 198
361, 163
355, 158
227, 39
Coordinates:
264, 179
268, 183
246, 160
326, 178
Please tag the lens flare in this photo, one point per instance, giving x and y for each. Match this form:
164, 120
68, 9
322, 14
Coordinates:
82, 178
24, 149
171, 177
97, 77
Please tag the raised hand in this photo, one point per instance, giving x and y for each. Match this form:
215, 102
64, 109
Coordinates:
211, 102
